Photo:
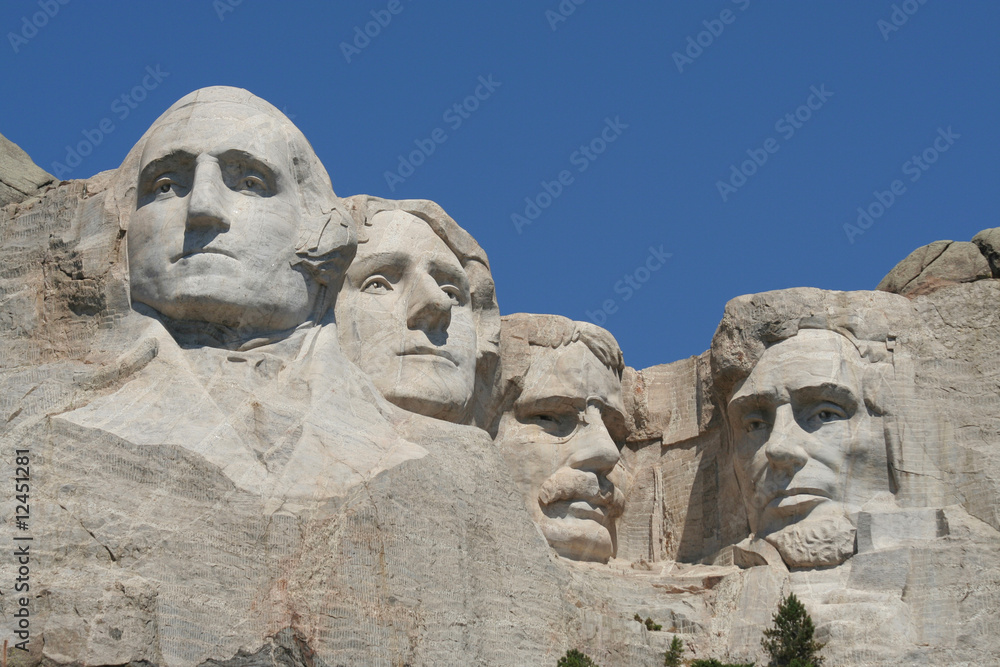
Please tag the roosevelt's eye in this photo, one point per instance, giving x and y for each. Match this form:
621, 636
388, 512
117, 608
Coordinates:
555, 424
376, 285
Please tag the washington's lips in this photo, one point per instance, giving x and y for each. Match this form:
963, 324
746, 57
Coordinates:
425, 350
201, 251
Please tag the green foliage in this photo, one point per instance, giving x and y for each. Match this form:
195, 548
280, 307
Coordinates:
672, 658
712, 662
652, 626
790, 642
574, 658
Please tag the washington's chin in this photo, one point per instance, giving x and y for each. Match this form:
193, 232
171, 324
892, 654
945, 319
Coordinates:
578, 539
199, 303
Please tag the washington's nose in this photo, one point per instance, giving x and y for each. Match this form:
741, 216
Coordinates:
784, 448
207, 206
594, 448
429, 307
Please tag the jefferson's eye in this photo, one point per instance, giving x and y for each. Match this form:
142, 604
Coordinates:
453, 292
376, 285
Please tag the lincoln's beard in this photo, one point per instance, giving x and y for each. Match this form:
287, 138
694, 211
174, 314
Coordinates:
827, 540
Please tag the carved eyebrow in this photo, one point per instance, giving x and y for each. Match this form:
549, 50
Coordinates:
452, 273
827, 391
238, 156
550, 402
170, 161
760, 400
380, 261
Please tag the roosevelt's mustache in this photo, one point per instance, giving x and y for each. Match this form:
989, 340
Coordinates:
572, 484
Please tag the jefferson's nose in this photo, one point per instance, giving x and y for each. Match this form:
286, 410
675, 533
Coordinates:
207, 206
593, 447
784, 447
429, 307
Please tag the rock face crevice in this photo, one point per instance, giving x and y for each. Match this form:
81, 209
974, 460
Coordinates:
215, 481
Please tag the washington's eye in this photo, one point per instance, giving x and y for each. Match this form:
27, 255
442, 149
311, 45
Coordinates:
253, 184
163, 185
376, 285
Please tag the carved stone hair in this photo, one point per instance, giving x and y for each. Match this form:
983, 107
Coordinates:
328, 235
876, 323
521, 331
473, 259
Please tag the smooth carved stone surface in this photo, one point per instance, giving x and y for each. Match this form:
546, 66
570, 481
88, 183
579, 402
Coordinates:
418, 312
326, 448
561, 428
934, 266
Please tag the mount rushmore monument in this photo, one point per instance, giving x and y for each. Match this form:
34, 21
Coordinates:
245, 421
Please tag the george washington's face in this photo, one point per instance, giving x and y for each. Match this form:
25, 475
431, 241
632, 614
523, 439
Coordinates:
217, 219
808, 450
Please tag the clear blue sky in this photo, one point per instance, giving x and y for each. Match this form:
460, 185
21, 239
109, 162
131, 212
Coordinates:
677, 127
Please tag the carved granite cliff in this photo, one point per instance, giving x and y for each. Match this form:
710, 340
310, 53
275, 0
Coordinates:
267, 424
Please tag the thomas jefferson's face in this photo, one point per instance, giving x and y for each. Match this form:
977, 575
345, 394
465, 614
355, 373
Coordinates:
559, 440
217, 220
808, 451
404, 316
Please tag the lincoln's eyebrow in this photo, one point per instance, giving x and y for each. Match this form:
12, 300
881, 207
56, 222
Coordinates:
760, 400
827, 391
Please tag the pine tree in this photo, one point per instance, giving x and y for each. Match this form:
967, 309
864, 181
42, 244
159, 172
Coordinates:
790, 642
673, 656
574, 658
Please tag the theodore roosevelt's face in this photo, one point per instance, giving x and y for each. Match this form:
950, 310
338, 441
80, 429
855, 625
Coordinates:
560, 441
217, 219
405, 317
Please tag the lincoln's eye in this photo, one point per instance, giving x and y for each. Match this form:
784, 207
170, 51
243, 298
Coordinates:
376, 285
